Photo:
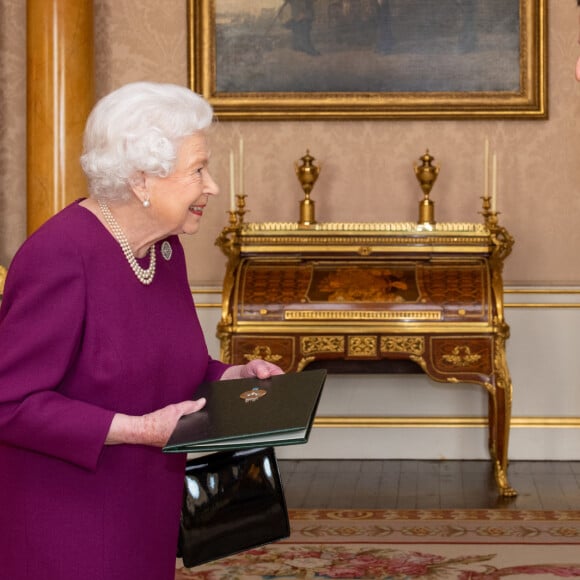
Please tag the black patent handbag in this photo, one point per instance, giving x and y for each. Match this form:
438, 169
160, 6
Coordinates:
232, 501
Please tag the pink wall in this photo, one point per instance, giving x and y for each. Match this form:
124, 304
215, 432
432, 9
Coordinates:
367, 172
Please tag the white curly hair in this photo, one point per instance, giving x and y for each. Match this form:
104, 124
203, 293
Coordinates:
138, 128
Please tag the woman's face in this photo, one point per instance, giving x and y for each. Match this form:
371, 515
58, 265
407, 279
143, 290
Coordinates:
178, 200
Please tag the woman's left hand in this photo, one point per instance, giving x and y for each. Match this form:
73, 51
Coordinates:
258, 368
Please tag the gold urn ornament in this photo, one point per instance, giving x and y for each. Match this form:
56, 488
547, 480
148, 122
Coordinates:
307, 174
426, 174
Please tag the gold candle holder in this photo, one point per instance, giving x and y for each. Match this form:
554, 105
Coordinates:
307, 174
233, 218
229, 234
241, 207
426, 174
489, 216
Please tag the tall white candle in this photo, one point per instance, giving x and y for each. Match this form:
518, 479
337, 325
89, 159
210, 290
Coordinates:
232, 183
494, 182
486, 169
241, 166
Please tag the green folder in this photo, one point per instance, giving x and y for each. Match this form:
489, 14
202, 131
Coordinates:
246, 413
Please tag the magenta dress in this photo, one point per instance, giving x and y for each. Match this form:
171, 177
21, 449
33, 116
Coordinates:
81, 339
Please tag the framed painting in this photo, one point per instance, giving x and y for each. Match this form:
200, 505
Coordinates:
369, 59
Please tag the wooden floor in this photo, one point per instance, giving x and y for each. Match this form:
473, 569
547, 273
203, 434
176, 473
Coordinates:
406, 484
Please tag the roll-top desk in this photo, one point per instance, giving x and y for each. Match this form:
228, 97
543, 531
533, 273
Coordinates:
365, 293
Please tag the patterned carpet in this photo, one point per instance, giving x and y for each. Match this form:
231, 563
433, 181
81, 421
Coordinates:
425, 544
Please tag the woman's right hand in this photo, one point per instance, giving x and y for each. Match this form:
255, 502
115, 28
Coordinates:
152, 429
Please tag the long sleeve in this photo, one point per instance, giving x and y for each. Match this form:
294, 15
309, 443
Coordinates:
215, 369
41, 326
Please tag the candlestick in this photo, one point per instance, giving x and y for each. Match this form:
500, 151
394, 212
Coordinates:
232, 183
241, 167
486, 169
493, 183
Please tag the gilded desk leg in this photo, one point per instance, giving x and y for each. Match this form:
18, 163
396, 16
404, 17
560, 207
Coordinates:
501, 390
492, 422
501, 415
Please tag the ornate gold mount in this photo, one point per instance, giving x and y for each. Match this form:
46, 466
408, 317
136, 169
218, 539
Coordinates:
489, 217
229, 236
501, 238
237, 216
307, 174
426, 175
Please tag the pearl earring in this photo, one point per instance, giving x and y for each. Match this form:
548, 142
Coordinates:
146, 202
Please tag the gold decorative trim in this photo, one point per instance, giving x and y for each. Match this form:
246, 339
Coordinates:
317, 344
362, 346
349, 228
461, 356
542, 305
542, 291
443, 422
200, 290
361, 240
515, 305
263, 352
404, 244
545, 291
361, 315
407, 344
305, 361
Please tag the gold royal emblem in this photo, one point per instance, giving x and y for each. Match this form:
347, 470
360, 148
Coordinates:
253, 395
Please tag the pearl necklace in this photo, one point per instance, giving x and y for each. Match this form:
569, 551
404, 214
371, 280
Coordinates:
145, 276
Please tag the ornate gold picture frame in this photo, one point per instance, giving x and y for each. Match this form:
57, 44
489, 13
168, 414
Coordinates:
369, 59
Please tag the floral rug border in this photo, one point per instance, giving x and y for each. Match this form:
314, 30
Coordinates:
435, 526
442, 514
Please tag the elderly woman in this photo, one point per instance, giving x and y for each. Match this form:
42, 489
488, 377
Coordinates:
101, 351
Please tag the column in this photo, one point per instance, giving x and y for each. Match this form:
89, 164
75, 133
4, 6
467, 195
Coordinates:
60, 95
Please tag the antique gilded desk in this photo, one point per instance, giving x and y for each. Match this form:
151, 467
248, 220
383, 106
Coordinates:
368, 293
